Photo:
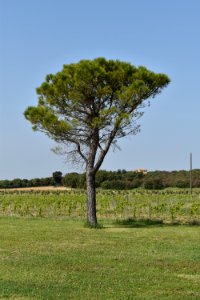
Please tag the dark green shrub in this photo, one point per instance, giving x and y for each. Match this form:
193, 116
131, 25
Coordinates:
153, 184
182, 184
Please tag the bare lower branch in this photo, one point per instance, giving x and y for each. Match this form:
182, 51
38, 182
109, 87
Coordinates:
107, 147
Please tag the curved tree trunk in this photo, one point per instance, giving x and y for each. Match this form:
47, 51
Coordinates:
91, 197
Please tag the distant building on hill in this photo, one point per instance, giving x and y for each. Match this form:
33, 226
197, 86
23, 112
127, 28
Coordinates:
143, 171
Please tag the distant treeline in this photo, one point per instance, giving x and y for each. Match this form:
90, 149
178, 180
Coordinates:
55, 180
20, 183
123, 179
120, 180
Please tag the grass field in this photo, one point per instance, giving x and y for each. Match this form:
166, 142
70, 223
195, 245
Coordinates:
43, 258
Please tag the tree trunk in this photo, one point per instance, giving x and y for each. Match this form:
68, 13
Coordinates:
91, 197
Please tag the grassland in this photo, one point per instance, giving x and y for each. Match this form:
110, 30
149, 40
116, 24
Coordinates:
44, 258
147, 248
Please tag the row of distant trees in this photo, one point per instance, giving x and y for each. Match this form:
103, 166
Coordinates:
55, 180
120, 179
123, 179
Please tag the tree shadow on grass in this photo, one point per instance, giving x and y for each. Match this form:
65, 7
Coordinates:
135, 223
141, 223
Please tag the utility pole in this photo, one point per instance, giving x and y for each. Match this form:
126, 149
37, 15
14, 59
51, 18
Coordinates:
191, 173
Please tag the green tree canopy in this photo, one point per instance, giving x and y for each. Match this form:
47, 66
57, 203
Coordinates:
57, 177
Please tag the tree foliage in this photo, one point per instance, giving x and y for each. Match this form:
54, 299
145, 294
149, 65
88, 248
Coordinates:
89, 105
57, 177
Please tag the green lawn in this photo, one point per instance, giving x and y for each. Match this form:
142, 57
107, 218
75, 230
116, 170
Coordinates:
60, 259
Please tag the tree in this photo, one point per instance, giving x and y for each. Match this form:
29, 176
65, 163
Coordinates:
71, 180
153, 184
88, 106
57, 177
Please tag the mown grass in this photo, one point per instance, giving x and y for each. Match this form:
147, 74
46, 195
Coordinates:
61, 259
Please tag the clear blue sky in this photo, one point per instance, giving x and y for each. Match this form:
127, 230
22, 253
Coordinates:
38, 36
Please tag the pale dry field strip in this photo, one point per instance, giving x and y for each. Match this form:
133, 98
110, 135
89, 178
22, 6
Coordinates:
39, 188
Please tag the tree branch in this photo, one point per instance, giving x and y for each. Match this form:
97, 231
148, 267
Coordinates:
78, 148
105, 150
